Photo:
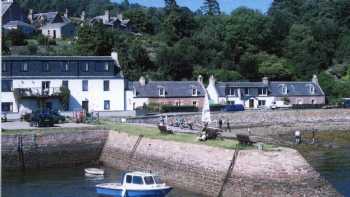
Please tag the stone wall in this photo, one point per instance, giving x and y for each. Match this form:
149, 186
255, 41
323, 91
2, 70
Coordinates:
54, 148
202, 169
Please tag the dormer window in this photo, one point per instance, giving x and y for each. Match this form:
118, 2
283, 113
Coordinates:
246, 91
24, 67
312, 89
106, 67
284, 89
66, 67
161, 92
4, 67
194, 92
230, 91
262, 91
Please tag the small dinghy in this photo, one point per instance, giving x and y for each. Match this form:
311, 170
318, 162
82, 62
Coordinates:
135, 184
94, 171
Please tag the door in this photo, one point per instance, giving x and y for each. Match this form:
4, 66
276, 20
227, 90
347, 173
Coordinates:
251, 103
85, 106
45, 87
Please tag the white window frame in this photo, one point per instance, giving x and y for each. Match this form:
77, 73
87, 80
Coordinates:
263, 91
194, 92
284, 89
86, 69
161, 91
312, 89
246, 91
25, 67
260, 102
106, 67
194, 103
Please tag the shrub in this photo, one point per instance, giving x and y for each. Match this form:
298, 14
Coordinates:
17, 38
184, 108
32, 48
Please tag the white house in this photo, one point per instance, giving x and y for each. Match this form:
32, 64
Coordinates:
32, 82
265, 93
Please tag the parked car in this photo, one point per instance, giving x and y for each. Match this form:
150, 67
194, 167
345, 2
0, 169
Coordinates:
229, 108
41, 119
58, 118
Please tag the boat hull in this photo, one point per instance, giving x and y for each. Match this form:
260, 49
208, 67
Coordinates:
134, 193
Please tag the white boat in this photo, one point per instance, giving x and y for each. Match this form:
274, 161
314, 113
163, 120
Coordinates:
135, 184
94, 171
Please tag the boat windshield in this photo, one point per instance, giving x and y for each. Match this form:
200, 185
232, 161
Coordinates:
148, 180
137, 180
157, 180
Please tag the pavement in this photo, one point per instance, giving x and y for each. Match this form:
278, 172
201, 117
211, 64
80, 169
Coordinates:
17, 125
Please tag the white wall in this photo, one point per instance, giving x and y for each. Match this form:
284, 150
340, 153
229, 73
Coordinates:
95, 94
129, 99
9, 97
139, 102
44, 31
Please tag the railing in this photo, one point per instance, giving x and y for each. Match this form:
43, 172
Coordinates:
37, 92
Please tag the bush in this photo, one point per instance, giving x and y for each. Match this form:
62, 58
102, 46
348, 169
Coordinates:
43, 40
32, 48
216, 107
184, 108
17, 38
153, 107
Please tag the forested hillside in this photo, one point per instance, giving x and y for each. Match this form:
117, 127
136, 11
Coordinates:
292, 41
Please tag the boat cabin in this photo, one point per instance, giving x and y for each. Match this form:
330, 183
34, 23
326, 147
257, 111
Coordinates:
141, 178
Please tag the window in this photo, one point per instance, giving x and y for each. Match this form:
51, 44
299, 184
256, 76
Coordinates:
6, 85
261, 103
262, 91
230, 91
194, 103
48, 32
86, 67
161, 92
128, 179
194, 92
4, 67
66, 67
157, 180
230, 102
46, 67
137, 180
313, 101
106, 85
177, 103
148, 180
284, 89
312, 89
85, 85
7, 107
65, 84
106, 67
24, 67
246, 91
107, 105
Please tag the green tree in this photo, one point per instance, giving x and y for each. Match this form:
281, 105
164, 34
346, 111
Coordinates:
139, 20
32, 48
211, 7
17, 38
274, 68
170, 4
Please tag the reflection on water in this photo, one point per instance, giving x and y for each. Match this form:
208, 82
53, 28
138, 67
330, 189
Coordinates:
66, 182
331, 159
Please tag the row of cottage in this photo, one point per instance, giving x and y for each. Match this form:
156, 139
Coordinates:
53, 24
96, 83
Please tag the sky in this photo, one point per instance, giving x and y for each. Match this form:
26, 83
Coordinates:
225, 5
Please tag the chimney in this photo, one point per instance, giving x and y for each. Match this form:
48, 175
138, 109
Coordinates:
142, 81
200, 79
115, 57
82, 16
106, 17
212, 80
315, 79
265, 80
30, 15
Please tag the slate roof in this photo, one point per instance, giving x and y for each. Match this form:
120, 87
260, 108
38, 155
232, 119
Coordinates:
17, 24
55, 25
5, 6
173, 89
221, 86
59, 58
294, 89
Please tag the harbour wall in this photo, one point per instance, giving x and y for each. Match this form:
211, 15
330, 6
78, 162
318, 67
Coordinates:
51, 149
202, 169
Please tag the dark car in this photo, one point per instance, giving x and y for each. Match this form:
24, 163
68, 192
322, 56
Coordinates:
58, 118
42, 119
346, 103
229, 108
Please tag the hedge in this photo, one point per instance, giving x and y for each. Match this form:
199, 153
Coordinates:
307, 106
183, 108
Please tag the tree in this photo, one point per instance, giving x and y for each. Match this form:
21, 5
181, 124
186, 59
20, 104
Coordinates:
32, 48
274, 68
5, 49
170, 4
139, 20
17, 38
211, 7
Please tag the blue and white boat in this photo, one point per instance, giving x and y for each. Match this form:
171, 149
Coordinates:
135, 184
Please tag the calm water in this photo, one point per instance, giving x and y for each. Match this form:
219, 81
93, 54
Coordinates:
66, 182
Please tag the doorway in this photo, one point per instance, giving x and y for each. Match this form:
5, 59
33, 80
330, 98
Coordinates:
85, 106
251, 103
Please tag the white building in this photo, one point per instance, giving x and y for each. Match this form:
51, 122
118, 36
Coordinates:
33, 82
265, 93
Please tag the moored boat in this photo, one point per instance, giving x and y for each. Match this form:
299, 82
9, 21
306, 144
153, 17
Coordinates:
94, 171
135, 184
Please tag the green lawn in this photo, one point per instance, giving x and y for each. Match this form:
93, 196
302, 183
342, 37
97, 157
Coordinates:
154, 133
